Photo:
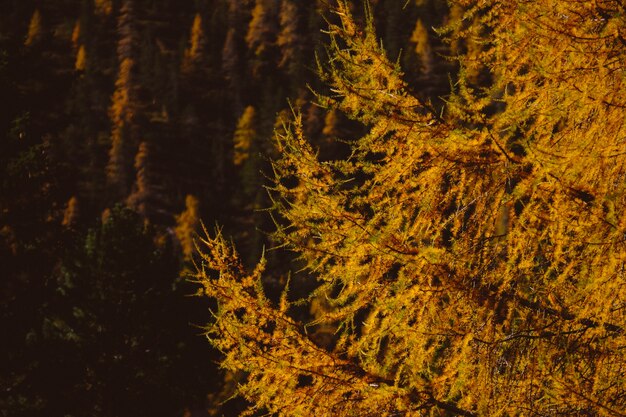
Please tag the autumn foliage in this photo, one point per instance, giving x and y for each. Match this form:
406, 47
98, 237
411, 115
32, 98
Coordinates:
471, 260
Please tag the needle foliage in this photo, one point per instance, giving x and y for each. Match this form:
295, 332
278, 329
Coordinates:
471, 260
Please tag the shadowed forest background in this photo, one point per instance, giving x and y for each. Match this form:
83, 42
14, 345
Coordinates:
122, 124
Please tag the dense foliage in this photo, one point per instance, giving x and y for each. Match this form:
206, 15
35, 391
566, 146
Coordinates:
466, 260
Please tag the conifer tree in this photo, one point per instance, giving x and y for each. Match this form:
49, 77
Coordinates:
81, 59
197, 43
143, 197
103, 7
289, 39
473, 261
230, 55
124, 106
261, 35
71, 213
186, 224
76, 34
34, 29
245, 135
422, 47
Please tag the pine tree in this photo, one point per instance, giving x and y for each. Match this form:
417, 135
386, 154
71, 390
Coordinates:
473, 261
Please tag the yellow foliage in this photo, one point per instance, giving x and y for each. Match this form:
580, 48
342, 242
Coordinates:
103, 7
193, 53
76, 34
71, 213
35, 29
260, 28
121, 113
471, 262
81, 59
186, 224
422, 46
244, 136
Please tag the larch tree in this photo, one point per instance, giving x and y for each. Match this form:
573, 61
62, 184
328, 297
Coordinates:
103, 7
422, 47
81, 59
472, 261
197, 43
124, 106
35, 29
186, 224
144, 195
261, 34
290, 40
245, 136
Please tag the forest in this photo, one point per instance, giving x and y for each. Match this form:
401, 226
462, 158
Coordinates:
320, 207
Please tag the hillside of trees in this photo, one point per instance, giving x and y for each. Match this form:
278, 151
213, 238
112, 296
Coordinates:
426, 200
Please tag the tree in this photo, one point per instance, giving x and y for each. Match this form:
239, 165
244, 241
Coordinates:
81, 59
124, 105
422, 47
473, 260
197, 43
145, 195
34, 29
187, 223
245, 136
261, 35
289, 39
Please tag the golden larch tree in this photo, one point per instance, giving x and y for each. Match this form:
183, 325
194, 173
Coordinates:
35, 29
244, 137
124, 106
194, 53
473, 261
187, 224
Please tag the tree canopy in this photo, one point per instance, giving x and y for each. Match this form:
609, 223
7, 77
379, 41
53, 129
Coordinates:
471, 260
